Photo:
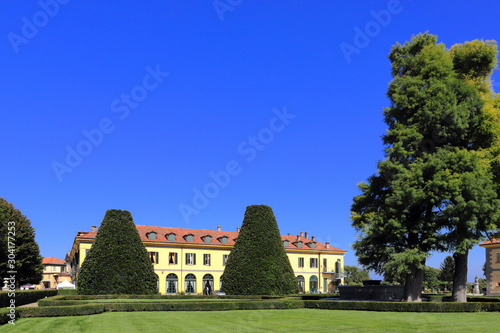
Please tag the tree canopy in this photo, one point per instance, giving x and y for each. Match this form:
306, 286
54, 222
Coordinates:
258, 264
117, 262
17, 238
435, 190
355, 275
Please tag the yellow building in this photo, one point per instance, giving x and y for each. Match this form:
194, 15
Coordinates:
492, 266
193, 260
54, 272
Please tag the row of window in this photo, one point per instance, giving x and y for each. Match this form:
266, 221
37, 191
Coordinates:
190, 258
313, 263
298, 244
208, 283
188, 238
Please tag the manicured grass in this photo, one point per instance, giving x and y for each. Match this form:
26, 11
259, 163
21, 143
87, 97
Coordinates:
299, 320
164, 300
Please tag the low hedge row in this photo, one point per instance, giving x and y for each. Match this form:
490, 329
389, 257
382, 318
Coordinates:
23, 297
67, 292
403, 306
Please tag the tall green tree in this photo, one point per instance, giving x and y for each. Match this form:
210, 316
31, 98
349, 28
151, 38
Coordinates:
258, 264
118, 262
355, 275
17, 238
426, 184
447, 271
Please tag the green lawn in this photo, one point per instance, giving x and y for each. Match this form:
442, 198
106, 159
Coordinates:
162, 300
299, 320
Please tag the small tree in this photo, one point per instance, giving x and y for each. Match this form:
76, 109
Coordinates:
447, 272
355, 275
117, 262
258, 264
17, 238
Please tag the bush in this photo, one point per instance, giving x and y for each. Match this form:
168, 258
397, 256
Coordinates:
67, 292
399, 306
258, 264
25, 296
118, 262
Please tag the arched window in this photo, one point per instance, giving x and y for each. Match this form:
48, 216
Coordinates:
172, 283
313, 284
190, 283
208, 284
302, 283
151, 235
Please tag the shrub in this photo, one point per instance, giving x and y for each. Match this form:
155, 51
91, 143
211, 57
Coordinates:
118, 262
25, 296
258, 264
398, 306
67, 292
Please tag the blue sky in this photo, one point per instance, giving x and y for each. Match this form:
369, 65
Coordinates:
143, 105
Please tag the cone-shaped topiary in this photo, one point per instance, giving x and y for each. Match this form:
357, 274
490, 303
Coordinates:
258, 264
118, 262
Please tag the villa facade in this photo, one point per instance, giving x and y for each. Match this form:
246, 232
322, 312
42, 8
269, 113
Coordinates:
193, 260
54, 272
492, 266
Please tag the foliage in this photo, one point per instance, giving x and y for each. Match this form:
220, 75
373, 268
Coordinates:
355, 275
258, 264
25, 296
117, 262
447, 272
431, 280
435, 189
28, 262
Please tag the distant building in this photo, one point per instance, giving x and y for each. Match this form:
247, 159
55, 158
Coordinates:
492, 266
192, 260
54, 272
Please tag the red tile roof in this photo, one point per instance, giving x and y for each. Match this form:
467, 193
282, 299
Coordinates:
490, 241
53, 261
180, 233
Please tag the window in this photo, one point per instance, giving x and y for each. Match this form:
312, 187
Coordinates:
312, 245
498, 257
190, 281
207, 239
171, 283
63, 269
223, 240
154, 257
206, 259
190, 258
314, 262
171, 237
189, 238
302, 283
325, 263
313, 284
151, 235
301, 262
172, 258
224, 259
299, 244
208, 284
285, 243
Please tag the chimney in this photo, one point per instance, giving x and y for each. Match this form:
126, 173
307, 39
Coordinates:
327, 245
289, 234
297, 238
313, 238
301, 234
306, 234
218, 228
94, 228
238, 229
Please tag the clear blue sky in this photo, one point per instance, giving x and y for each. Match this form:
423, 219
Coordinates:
138, 105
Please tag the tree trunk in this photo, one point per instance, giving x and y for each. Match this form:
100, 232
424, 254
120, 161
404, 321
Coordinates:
460, 277
413, 286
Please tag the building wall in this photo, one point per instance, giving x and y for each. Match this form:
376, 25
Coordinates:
493, 270
326, 277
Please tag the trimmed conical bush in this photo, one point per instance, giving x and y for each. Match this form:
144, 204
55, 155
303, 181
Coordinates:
258, 264
118, 262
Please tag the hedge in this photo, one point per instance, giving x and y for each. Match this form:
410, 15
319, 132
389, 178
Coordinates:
23, 297
403, 306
